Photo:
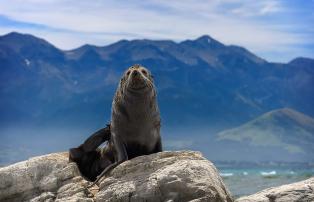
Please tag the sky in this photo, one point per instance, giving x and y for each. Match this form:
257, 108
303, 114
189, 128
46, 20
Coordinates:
277, 30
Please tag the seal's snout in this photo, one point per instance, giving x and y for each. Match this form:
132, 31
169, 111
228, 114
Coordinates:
135, 73
138, 78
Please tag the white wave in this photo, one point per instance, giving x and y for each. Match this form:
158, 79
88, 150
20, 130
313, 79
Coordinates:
226, 174
271, 173
245, 173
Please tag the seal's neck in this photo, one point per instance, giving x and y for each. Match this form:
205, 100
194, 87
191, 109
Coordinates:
133, 97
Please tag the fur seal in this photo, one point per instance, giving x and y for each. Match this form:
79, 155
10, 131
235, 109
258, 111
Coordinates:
134, 129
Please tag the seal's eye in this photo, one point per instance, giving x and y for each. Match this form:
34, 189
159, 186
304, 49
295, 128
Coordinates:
144, 71
128, 73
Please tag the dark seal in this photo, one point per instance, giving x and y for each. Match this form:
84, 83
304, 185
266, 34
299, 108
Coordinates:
134, 129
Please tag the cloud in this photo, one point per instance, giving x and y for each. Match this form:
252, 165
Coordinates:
258, 8
257, 25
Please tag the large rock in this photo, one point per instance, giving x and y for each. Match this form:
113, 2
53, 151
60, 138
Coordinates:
44, 178
165, 176
297, 192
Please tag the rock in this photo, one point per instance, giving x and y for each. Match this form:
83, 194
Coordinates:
165, 176
45, 178
299, 192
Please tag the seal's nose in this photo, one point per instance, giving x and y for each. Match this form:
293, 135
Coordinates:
135, 72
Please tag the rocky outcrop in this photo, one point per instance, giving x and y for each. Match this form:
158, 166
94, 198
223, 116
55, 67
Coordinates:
297, 192
44, 178
165, 176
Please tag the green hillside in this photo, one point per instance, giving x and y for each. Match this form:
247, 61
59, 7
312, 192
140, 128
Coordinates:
283, 128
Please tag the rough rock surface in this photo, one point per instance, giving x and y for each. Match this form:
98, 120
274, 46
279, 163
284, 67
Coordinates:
296, 192
165, 176
43, 178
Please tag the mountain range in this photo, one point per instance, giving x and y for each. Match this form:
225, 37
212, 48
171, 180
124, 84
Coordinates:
200, 82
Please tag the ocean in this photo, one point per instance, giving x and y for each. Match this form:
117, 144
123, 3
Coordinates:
241, 178
243, 181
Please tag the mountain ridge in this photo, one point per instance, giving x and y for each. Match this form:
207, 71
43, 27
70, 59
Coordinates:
202, 38
203, 87
232, 73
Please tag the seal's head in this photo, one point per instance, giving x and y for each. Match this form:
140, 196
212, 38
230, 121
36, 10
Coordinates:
137, 79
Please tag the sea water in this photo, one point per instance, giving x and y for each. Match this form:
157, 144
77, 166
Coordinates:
246, 181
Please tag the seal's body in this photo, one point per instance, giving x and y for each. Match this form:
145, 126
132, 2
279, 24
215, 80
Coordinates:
134, 129
135, 118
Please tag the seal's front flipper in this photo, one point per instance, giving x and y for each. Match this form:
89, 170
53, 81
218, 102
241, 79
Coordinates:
104, 172
120, 156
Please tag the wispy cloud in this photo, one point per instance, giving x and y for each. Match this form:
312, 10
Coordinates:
258, 8
262, 26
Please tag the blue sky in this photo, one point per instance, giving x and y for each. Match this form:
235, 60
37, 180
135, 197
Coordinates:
277, 30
